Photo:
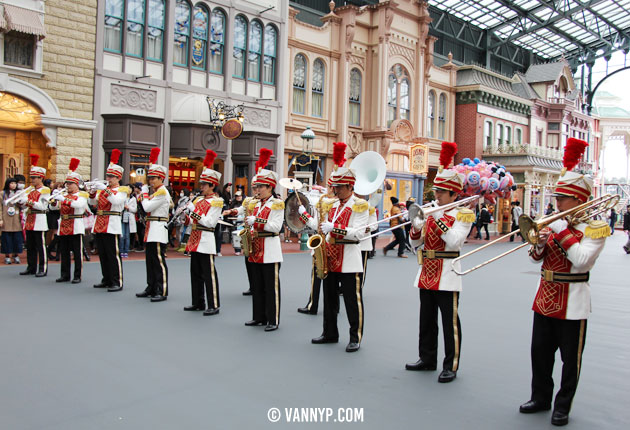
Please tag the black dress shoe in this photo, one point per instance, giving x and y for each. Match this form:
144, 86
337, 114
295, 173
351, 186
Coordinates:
447, 376
27, 272
211, 311
115, 288
271, 327
353, 347
559, 418
158, 298
307, 311
247, 293
323, 339
101, 285
194, 308
76, 280
62, 280
254, 323
143, 294
40, 274
533, 406
420, 365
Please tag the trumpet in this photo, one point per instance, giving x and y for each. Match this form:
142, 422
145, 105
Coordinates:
93, 182
19, 195
531, 228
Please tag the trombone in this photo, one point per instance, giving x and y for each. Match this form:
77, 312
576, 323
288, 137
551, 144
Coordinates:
531, 228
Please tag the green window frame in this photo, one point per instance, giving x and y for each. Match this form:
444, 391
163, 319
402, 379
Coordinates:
134, 34
182, 33
240, 46
114, 18
269, 58
155, 32
217, 41
200, 21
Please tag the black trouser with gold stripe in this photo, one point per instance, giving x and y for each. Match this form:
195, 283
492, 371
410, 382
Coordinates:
203, 272
316, 283
71, 243
248, 268
447, 303
364, 259
157, 272
265, 285
353, 299
111, 264
36, 251
548, 335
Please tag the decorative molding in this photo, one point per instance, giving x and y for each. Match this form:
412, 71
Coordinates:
404, 51
133, 98
257, 117
356, 59
487, 98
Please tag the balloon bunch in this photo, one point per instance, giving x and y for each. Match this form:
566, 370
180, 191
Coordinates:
488, 179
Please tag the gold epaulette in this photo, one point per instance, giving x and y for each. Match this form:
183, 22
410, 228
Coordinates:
84, 194
277, 205
217, 202
252, 204
372, 210
465, 215
124, 189
161, 192
597, 229
44, 190
198, 199
360, 205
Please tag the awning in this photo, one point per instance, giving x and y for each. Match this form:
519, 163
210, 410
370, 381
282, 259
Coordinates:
22, 20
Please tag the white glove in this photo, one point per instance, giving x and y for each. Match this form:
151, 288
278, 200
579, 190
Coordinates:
190, 206
417, 223
558, 225
145, 189
251, 220
327, 227
99, 186
22, 200
59, 197
301, 210
438, 214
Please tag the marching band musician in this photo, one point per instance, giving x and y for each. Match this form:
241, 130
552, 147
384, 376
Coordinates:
156, 234
443, 235
344, 228
36, 225
563, 300
110, 202
204, 212
71, 228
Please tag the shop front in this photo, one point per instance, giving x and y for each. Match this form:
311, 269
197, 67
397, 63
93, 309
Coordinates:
245, 150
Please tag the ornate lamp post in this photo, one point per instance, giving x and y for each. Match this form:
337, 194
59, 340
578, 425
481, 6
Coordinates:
229, 119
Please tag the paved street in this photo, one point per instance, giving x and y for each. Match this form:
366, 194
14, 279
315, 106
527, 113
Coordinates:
74, 357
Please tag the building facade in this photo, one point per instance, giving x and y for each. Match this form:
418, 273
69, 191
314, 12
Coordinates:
46, 84
157, 64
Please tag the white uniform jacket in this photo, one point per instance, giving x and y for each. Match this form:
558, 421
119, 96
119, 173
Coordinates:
446, 234
109, 203
366, 245
573, 250
204, 220
71, 216
37, 204
266, 246
157, 207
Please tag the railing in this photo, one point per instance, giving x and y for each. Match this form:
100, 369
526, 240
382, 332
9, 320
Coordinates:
561, 101
523, 149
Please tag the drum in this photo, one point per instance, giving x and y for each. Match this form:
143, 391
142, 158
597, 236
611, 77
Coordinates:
291, 213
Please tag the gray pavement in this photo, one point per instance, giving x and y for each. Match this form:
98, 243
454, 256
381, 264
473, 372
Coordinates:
73, 357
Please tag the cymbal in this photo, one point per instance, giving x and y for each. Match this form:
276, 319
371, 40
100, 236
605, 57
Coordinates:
291, 183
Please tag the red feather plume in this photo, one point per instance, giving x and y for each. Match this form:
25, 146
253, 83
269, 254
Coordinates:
263, 158
448, 151
155, 152
210, 157
339, 153
115, 156
34, 159
74, 163
573, 151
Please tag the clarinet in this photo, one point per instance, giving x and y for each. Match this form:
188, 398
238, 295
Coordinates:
181, 210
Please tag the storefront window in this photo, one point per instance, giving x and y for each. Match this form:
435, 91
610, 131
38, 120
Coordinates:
138, 167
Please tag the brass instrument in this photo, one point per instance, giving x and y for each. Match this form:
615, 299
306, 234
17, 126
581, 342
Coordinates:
18, 195
317, 242
531, 228
246, 233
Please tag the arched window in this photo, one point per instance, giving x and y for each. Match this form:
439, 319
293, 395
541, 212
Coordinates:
217, 41
442, 117
200, 37
317, 96
431, 114
499, 134
240, 46
391, 99
354, 114
404, 99
299, 83
113, 25
255, 50
269, 60
155, 34
135, 28
487, 133
182, 33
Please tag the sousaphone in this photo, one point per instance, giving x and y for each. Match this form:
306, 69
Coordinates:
370, 170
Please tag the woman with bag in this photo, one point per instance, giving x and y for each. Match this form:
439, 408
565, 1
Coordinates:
10, 224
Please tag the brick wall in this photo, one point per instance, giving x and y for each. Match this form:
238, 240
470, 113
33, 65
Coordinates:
468, 132
68, 66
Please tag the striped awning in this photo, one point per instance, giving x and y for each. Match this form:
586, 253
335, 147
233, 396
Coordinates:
22, 20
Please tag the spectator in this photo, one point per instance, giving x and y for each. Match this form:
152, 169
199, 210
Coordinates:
613, 220
626, 229
484, 220
128, 223
140, 219
550, 209
10, 224
52, 218
399, 234
517, 211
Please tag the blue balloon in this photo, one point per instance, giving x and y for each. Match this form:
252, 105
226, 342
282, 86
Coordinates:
466, 161
476, 160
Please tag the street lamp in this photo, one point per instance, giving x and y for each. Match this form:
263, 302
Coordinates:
229, 119
307, 140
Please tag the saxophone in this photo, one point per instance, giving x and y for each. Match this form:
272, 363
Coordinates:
246, 233
317, 242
